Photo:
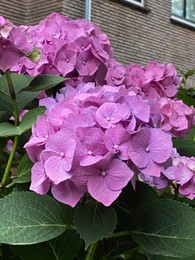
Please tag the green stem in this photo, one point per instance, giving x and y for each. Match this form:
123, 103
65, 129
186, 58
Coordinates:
9, 163
13, 97
119, 234
176, 192
16, 138
10, 185
91, 251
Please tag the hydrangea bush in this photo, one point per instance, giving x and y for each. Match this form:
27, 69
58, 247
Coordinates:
106, 143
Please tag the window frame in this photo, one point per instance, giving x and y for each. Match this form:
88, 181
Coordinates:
135, 2
182, 19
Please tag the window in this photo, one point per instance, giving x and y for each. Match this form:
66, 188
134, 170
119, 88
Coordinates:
184, 11
136, 2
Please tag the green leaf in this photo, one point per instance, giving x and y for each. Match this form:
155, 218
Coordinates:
182, 95
158, 257
166, 228
94, 221
185, 147
19, 81
28, 218
7, 130
6, 104
111, 247
43, 82
64, 247
24, 170
24, 98
28, 120
190, 73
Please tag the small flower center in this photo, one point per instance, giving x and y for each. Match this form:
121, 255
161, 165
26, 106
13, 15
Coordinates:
116, 147
4, 46
103, 173
62, 154
147, 149
83, 62
46, 136
108, 118
89, 153
67, 60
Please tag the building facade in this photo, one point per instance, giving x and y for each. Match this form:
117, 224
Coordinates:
139, 30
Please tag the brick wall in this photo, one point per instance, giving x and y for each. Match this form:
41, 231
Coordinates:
136, 35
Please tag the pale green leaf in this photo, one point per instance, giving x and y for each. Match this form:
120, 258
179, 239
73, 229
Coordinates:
29, 218
24, 170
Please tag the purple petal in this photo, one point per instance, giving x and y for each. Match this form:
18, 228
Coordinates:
152, 169
67, 193
98, 189
55, 169
160, 145
118, 175
39, 181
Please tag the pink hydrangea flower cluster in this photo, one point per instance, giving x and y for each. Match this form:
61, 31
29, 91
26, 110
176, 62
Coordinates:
95, 140
176, 117
57, 45
182, 173
154, 81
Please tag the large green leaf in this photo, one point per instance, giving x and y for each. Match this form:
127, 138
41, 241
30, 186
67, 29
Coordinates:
28, 218
64, 247
24, 98
44, 82
19, 81
24, 170
167, 228
94, 221
26, 123
7, 130
159, 257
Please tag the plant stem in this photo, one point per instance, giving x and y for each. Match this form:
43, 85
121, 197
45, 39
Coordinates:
10, 185
9, 163
176, 192
119, 234
16, 138
13, 97
91, 251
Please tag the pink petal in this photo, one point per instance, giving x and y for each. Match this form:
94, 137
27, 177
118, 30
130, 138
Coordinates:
55, 169
67, 193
